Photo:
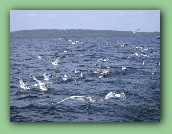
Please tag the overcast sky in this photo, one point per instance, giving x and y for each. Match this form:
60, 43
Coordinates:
121, 20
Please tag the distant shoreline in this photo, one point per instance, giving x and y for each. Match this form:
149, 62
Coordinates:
75, 33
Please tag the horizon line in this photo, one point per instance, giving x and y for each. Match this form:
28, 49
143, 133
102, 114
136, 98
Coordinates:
81, 29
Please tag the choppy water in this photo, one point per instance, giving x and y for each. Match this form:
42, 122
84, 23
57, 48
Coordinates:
140, 83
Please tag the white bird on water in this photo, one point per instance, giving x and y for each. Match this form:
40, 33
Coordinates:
93, 99
143, 63
96, 71
40, 57
66, 77
123, 68
114, 95
76, 71
72, 41
42, 86
80, 98
104, 72
23, 85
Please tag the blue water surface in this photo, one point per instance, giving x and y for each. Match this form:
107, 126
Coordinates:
140, 81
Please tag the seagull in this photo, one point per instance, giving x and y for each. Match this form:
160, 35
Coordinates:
55, 63
114, 95
41, 57
42, 86
100, 76
76, 71
143, 63
123, 68
81, 74
65, 77
124, 45
92, 99
46, 77
23, 85
105, 71
136, 54
144, 55
95, 71
139, 47
103, 60
158, 64
80, 98
72, 41
64, 52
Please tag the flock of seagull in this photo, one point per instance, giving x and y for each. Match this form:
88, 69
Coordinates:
99, 70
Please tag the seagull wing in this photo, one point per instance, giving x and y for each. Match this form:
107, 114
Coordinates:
62, 100
36, 79
58, 59
44, 75
21, 82
81, 98
98, 61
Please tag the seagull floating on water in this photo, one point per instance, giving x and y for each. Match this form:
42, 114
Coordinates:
114, 95
158, 64
124, 45
144, 55
105, 71
76, 71
96, 71
72, 41
123, 68
66, 77
143, 63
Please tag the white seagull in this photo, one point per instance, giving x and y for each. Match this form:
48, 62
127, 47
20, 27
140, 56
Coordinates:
104, 72
96, 71
46, 77
76, 71
55, 63
143, 63
80, 98
103, 60
114, 95
72, 41
23, 85
123, 68
66, 77
42, 86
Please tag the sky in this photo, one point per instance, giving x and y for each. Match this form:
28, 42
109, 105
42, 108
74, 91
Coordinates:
121, 20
